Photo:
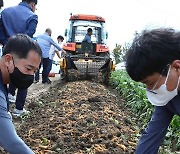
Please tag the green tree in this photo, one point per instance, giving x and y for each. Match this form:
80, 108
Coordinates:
119, 52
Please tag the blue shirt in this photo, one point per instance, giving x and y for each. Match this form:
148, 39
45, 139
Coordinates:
87, 38
19, 19
45, 42
3, 38
9, 139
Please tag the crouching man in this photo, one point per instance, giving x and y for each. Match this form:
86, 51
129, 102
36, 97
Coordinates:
154, 59
20, 60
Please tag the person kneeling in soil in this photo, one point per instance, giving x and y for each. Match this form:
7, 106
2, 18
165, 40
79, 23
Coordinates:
21, 58
154, 59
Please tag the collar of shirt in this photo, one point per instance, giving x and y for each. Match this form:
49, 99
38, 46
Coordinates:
46, 33
24, 4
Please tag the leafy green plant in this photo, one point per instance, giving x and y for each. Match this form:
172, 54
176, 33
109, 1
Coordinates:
45, 141
135, 95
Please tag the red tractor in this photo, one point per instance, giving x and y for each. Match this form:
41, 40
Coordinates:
86, 60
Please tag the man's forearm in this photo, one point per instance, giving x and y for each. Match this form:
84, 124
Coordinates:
31, 28
9, 139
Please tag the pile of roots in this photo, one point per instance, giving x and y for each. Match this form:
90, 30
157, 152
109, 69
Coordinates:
79, 118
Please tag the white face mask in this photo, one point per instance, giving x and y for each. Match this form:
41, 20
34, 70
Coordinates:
161, 96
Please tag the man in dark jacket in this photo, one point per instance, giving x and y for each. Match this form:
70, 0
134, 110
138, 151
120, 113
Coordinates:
21, 58
20, 19
154, 59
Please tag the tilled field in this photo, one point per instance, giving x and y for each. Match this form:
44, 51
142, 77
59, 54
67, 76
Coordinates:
79, 118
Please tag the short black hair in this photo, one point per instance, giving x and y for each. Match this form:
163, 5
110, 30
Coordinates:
151, 51
89, 30
20, 45
48, 30
60, 37
1, 3
29, 1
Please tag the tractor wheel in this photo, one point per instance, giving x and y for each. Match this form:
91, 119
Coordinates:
106, 76
64, 75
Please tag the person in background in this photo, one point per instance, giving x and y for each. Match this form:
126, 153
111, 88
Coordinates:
19, 19
20, 59
154, 59
45, 41
87, 37
86, 43
54, 50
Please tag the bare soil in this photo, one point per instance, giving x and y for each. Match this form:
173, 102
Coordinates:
81, 117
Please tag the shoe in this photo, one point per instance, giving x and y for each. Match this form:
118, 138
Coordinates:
36, 81
11, 98
18, 113
47, 82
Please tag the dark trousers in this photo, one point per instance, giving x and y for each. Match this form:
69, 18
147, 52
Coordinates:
45, 63
154, 134
50, 66
20, 97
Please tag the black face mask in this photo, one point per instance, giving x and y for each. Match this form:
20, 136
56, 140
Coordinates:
20, 80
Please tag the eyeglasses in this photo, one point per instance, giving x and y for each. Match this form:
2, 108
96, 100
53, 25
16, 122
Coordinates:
152, 90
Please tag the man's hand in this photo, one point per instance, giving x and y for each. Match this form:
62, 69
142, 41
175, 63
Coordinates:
64, 52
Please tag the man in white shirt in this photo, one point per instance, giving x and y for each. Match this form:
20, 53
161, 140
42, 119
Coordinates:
53, 50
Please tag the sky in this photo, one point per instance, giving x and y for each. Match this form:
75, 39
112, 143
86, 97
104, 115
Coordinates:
123, 17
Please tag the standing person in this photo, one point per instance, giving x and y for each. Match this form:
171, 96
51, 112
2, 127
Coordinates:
21, 58
45, 41
20, 19
54, 50
86, 43
154, 59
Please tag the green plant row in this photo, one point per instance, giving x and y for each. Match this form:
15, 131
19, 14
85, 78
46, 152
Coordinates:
135, 95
